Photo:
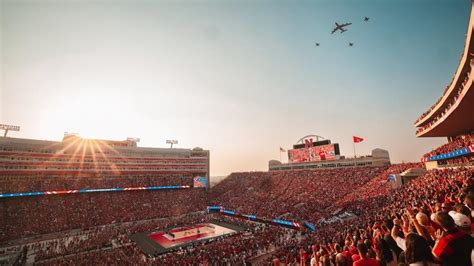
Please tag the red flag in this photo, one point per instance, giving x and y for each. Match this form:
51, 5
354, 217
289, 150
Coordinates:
357, 139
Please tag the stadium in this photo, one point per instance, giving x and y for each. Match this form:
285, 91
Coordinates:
87, 201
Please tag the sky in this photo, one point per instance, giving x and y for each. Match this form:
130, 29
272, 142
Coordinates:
240, 78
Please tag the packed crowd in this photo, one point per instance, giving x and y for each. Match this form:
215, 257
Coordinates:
233, 250
30, 216
459, 161
48, 183
397, 225
372, 192
450, 102
74, 247
426, 222
79, 211
289, 194
458, 143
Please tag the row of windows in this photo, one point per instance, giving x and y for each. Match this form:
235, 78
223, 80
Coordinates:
60, 163
135, 155
25, 150
100, 168
99, 160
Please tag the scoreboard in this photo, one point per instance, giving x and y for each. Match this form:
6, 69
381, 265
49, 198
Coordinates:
314, 153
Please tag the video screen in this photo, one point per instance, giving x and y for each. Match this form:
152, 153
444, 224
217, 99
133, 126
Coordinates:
311, 154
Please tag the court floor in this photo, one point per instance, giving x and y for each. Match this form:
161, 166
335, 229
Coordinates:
184, 235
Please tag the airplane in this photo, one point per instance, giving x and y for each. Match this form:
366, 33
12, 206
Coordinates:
351, 44
340, 27
366, 19
316, 43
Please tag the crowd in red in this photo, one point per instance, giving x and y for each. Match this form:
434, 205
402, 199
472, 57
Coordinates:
426, 222
104, 243
30, 216
456, 144
104, 221
233, 250
49, 183
289, 194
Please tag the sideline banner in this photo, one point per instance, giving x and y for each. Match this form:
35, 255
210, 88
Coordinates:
92, 190
253, 217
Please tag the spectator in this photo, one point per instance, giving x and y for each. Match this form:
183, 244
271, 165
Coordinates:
452, 247
385, 255
417, 251
364, 259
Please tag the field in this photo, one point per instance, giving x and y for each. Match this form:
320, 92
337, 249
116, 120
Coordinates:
159, 242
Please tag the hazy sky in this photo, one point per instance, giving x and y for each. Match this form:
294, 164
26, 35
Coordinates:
240, 78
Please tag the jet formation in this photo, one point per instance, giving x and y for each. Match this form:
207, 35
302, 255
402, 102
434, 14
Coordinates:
342, 28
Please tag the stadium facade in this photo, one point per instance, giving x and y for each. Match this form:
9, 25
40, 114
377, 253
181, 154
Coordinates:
322, 154
452, 115
78, 157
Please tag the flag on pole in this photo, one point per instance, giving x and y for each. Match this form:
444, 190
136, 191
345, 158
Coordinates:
282, 150
357, 139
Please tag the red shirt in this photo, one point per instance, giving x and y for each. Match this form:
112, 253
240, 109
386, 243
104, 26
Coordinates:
366, 262
353, 250
355, 257
455, 248
348, 257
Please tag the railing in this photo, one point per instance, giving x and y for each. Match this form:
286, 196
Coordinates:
462, 65
450, 155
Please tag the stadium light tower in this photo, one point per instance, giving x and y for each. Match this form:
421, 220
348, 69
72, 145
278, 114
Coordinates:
171, 141
7, 128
